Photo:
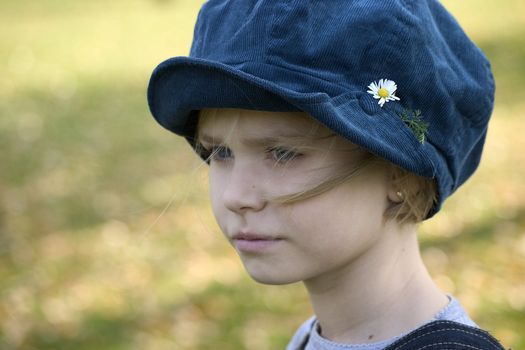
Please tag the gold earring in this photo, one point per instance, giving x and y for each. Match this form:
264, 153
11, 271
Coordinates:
400, 195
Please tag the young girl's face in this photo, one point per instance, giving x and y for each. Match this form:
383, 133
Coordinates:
261, 155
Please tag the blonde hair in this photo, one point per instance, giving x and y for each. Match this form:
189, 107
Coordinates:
416, 194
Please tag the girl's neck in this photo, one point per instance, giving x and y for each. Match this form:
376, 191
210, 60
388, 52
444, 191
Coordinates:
383, 293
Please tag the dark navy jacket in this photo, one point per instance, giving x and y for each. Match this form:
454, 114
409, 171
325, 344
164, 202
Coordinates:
446, 335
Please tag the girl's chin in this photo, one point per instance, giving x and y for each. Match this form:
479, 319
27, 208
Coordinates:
273, 280
272, 277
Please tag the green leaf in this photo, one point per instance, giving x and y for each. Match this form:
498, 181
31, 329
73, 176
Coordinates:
414, 120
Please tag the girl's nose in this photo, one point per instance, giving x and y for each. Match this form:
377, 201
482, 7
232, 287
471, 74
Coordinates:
243, 192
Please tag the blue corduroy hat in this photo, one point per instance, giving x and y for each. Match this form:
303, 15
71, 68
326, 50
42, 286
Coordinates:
399, 78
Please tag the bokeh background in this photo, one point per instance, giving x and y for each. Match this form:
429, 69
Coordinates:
107, 240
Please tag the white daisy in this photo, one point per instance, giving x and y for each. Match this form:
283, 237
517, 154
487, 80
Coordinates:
383, 91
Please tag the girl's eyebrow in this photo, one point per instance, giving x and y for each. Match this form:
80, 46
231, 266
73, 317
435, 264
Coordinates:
257, 141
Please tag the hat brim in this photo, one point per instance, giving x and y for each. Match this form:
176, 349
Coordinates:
182, 85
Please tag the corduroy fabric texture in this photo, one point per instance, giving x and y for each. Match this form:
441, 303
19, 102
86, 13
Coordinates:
320, 56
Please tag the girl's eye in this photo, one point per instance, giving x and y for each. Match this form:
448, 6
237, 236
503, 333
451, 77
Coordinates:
223, 153
218, 153
282, 155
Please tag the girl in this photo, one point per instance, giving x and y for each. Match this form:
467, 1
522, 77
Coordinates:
331, 130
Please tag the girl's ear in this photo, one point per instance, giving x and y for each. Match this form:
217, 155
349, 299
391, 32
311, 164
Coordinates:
394, 194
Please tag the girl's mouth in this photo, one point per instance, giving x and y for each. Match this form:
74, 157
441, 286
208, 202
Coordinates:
253, 243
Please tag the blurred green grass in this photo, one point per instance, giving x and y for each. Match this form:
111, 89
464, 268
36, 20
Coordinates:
107, 240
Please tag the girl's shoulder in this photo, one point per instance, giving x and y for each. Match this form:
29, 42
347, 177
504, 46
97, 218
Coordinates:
447, 335
450, 329
435, 335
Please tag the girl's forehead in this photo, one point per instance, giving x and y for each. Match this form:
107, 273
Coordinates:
241, 121
257, 128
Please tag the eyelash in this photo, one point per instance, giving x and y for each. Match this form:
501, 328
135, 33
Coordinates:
283, 155
213, 153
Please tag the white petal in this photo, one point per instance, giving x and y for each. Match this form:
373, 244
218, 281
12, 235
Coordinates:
390, 85
395, 98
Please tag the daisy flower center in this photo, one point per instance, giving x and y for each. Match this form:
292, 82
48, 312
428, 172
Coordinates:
383, 93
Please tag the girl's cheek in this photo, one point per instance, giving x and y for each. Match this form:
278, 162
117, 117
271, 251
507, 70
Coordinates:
215, 183
294, 180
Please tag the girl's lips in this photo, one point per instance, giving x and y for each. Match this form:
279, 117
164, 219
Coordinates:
253, 243
252, 236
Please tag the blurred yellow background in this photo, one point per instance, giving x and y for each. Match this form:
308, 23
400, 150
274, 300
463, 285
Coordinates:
107, 240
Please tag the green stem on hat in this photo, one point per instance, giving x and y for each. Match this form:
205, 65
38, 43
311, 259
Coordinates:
414, 120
